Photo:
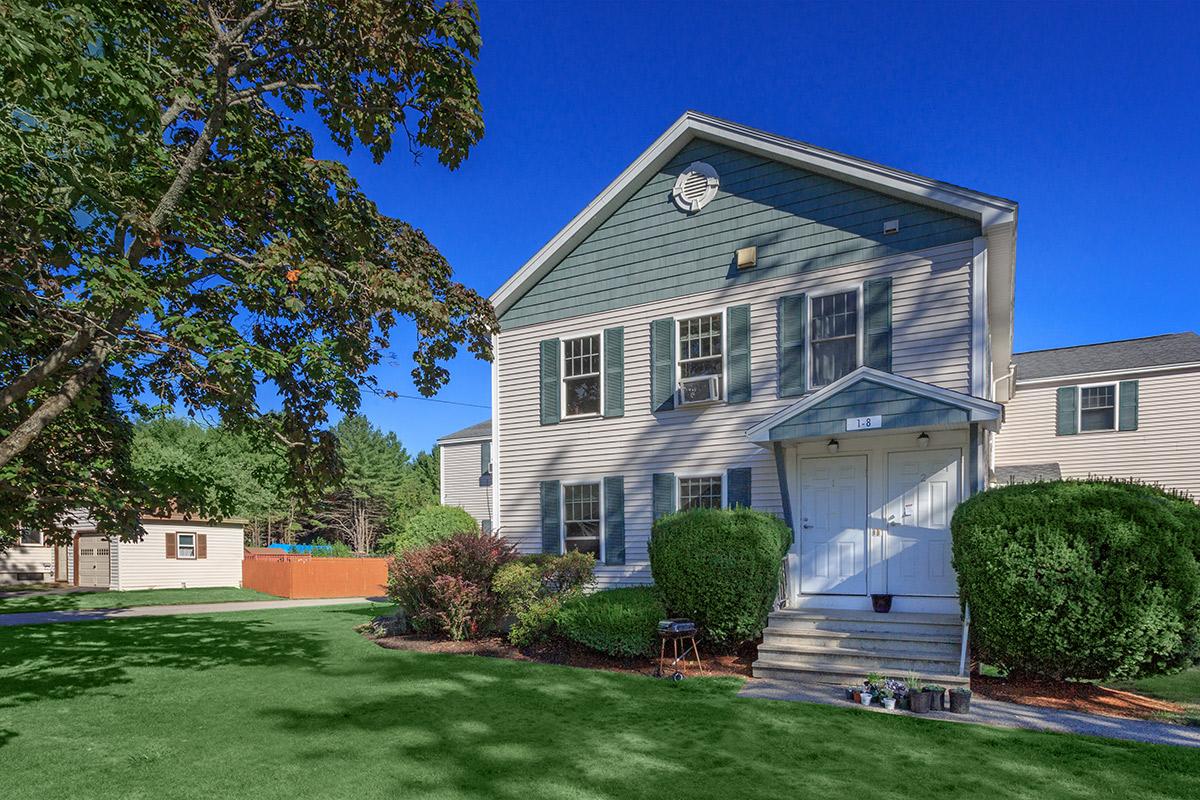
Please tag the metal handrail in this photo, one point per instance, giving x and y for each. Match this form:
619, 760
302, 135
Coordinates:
966, 630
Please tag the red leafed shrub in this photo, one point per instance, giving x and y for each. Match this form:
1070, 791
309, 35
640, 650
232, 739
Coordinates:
446, 588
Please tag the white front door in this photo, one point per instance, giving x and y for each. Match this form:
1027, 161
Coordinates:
923, 491
833, 525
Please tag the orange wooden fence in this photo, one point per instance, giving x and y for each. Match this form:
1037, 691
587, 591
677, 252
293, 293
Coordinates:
299, 576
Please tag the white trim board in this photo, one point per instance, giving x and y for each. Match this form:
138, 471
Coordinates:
1094, 377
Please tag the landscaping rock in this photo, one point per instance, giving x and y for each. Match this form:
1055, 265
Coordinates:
386, 625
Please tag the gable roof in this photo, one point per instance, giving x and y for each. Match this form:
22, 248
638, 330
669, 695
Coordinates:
1126, 354
997, 216
480, 430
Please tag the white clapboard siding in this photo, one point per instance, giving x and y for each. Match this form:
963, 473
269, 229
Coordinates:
931, 342
26, 559
463, 484
1164, 449
144, 564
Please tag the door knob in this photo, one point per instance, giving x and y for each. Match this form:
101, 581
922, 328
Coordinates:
806, 525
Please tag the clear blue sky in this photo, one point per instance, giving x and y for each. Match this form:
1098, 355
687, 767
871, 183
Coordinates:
1088, 115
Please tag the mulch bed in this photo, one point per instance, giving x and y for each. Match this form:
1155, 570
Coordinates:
562, 652
1072, 696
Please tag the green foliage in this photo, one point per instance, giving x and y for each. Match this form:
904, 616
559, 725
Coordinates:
532, 589
335, 549
374, 463
719, 568
618, 622
1087, 579
165, 221
429, 525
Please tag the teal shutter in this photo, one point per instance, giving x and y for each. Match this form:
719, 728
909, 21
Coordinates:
614, 372
877, 324
485, 458
551, 527
551, 404
614, 520
1067, 419
662, 364
1127, 419
792, 352
738, 339
737, 487
664, 494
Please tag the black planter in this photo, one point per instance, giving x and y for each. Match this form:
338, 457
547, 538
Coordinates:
937, 700
882, 603
903, 703
919, 702
960, 702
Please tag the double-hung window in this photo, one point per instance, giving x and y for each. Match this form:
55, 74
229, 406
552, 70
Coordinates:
31, 536
834, 336
581, 517
1098, 408
699, 493
186, 547
701, 349
581, 376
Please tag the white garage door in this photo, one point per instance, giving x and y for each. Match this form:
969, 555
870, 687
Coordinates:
93, 561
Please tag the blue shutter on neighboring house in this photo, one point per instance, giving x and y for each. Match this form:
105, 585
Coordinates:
738, 338
614, 520
551, 403
662, 364
1067, 421
737, 489
485, 458
664, 494
614, 372
551, 527
1127, 418
877, 324
792, 366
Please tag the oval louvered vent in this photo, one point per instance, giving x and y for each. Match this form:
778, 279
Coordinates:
696, 187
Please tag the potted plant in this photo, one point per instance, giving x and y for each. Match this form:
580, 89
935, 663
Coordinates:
887, 697
960, 700
865, 698
856, 694
899, 691
918, 700
882, 603
937, 696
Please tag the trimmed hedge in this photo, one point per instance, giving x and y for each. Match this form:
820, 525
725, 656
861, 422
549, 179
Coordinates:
430, 524
1081, 579
719, 568
619, 622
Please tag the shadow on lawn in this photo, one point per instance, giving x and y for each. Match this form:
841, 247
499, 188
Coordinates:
475, 727
61, 661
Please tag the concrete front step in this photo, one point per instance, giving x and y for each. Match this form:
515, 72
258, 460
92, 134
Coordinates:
862, 662
864, 622
875, 641
819, 672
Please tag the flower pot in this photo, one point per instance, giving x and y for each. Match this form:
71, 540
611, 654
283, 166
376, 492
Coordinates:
937, 700
919, 702
882, 603
850, 691
856, 695
960, 701
904, 704
865, 698
889, 703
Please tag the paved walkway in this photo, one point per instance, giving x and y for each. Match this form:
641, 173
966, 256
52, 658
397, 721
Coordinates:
94, 614
994, 712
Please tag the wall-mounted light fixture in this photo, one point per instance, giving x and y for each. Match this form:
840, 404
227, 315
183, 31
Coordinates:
923, 440
832, 446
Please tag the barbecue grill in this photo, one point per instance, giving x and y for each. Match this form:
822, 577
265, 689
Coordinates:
681, 633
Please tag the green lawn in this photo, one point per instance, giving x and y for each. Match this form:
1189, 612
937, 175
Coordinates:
1182, 688
16, 604
293, 704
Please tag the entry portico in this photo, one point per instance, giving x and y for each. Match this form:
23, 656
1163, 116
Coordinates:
871, 468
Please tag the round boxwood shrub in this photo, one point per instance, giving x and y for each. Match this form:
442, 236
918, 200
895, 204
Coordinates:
430, 524
619, 622
719, 568
1081, 579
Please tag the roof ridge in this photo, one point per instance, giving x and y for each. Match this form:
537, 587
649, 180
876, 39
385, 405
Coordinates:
1110, 341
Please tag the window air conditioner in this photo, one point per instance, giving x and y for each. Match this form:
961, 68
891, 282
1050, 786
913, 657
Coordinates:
694, 391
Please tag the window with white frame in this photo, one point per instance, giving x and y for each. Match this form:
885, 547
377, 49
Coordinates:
186, 545
581, 517
834, 336
699, 493
581, 376
701, 349
1098, 408
31, 536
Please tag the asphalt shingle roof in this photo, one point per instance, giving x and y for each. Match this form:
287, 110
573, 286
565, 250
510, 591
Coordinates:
1153, 351
476, 431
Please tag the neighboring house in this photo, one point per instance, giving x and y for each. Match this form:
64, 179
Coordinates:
1127, 409
743, 319
174, 553
466, 471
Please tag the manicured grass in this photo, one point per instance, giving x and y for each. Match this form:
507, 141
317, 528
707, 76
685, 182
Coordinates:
293, 704
1182, 687
16, 604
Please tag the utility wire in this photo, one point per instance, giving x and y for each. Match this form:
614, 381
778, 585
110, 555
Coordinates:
439, 400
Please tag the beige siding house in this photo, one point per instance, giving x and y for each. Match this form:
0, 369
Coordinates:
1128, 409
741, 319
466, 471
